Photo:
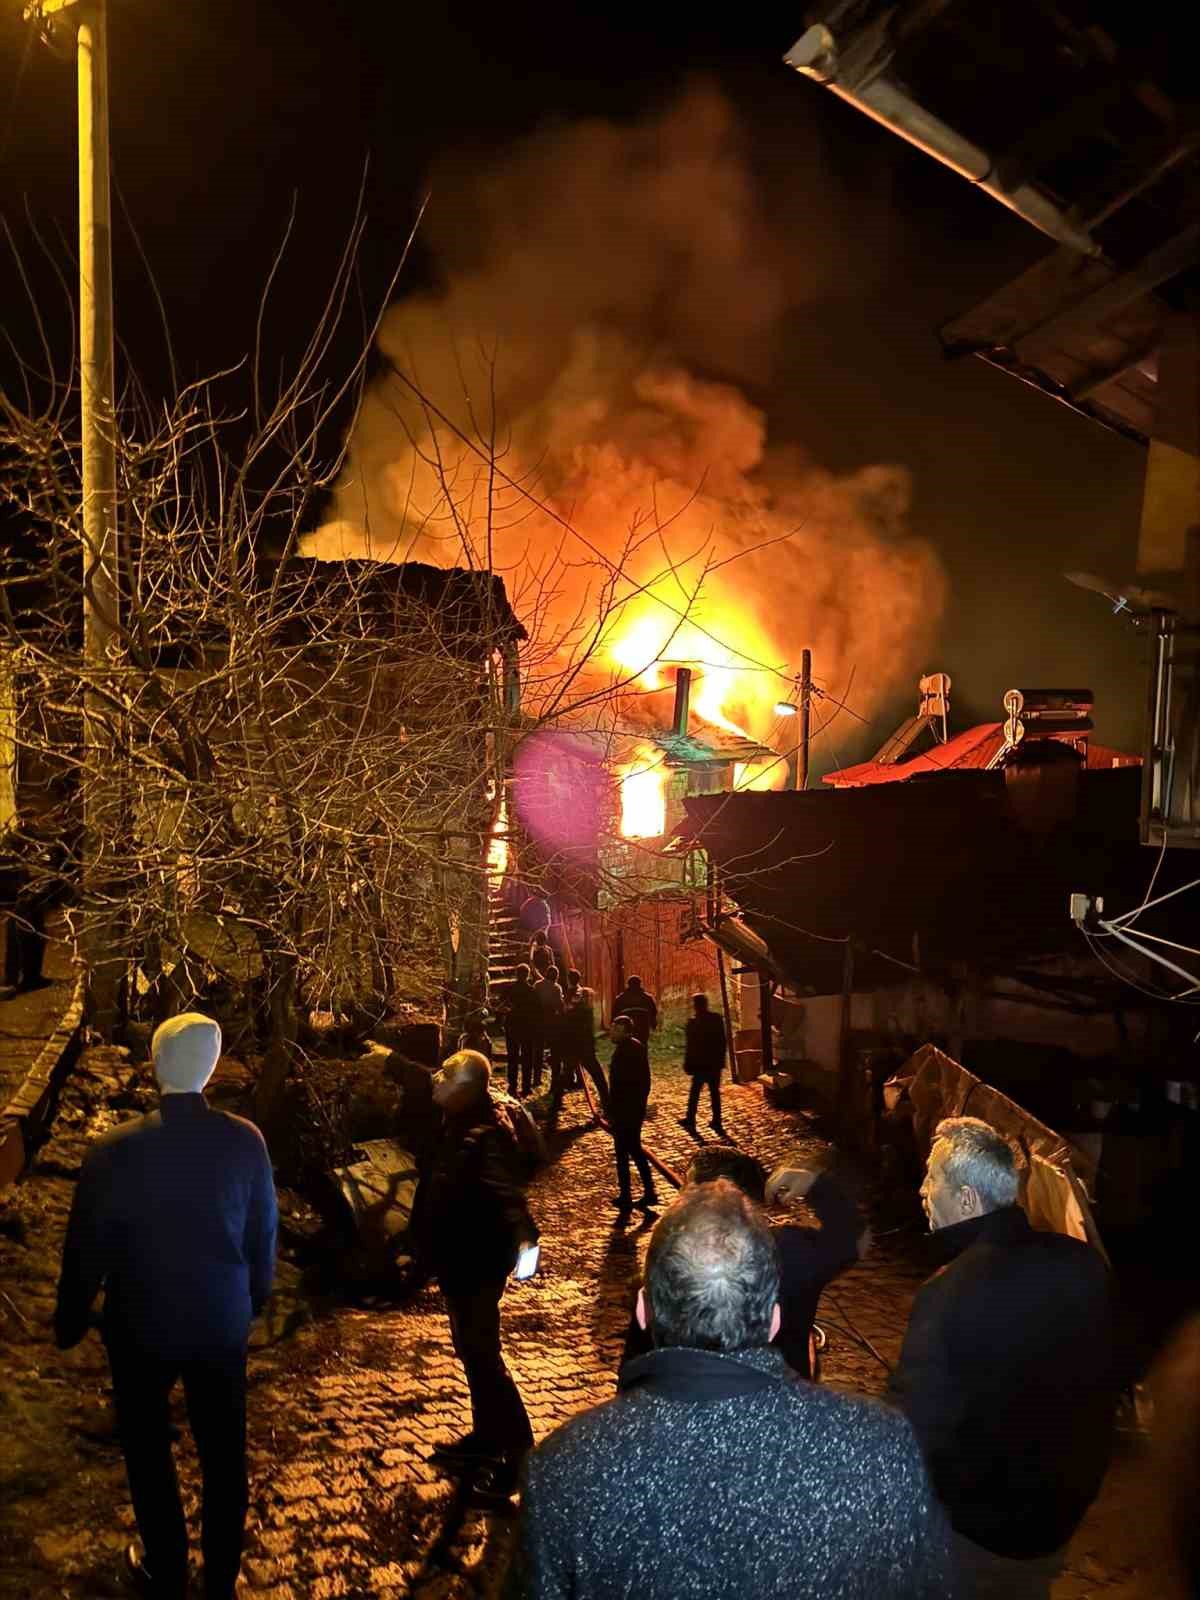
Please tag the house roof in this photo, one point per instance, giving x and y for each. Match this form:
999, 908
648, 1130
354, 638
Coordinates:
973, 750
931, 874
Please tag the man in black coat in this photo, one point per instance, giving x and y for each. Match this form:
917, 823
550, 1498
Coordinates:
522, 1031
714, 1472
175, 1218
471, 1222
809, 1258
704, 1062
628, 1097
641, 1008
579, 1037
1007, 1372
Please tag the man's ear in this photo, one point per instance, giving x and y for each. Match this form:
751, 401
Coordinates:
641, 1313
969, 1200
776, 1319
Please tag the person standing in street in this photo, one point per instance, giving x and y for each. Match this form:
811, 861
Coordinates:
550, 998
541, 956
704, 1061
641, 1009
175, 1218
522, 1030
579, 1037
1008, 1369
628, 1097
471, 1223
713, 1474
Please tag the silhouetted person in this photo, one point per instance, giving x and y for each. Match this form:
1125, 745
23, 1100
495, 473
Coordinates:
550, 998
471, 1221
579, 1036
704, 1062
628, 1096
541, 956
1008, 1372
522, 1031
713, 1473
641, 1008
32, 863
175, 1218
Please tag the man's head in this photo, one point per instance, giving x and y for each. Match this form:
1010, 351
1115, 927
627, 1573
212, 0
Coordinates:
699, 1004
185, 1050
522, 973
574, 978
971, 1170
620, 1029
634, 983
462, 1081
540, 937
712, 1275
715, 1161
552, 974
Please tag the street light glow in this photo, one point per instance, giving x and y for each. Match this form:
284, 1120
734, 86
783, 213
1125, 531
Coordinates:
784, 708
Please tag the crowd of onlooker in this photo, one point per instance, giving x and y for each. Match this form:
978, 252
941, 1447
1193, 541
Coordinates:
719, 1468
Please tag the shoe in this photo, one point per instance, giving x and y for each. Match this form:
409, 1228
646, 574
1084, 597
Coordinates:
456, 1451
688, 1127
648, 1201
623, 1203
34, 985
718, 1130
494, 1485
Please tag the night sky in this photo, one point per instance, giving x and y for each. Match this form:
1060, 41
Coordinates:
223, 114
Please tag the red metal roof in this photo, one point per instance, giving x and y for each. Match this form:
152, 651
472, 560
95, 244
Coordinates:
974, 748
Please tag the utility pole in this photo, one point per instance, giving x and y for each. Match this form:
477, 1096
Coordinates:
797, 761
805, 716
101, 591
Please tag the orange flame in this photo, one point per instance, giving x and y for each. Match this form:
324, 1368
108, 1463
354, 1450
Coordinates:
643, 794
730, 689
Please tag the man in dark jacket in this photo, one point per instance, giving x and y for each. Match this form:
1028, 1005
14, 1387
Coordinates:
628, 1097
550, 998
809, 1258
713, 1472
541, 956
641, 1008
1007, 1371
472, 1222
522, 1031
175, 1218
579, 1036
704, 1062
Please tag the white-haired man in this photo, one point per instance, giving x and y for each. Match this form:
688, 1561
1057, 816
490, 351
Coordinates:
174, 1217
1007, 1371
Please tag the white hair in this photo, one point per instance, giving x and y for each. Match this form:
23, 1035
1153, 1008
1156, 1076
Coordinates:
975, 1156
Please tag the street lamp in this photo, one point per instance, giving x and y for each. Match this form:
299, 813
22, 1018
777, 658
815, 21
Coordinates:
97, 428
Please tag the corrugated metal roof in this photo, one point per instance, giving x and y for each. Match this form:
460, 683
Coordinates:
973, 750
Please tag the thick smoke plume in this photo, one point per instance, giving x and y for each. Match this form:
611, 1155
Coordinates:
565, 408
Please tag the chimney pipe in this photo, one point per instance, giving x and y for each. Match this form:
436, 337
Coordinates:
683, 697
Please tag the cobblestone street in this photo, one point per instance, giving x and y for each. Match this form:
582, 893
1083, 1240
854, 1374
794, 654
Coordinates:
344, 1413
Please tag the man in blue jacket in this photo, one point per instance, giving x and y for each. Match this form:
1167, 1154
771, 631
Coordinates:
175, 1219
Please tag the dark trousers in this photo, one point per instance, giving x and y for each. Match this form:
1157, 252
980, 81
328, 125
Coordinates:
537, 1059
498, 1418
627, 1141
713, 1080
586, 1060
25, 946
520, 1063
214, 1386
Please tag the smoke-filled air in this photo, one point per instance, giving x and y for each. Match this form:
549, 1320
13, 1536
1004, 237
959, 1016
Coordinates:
566, 408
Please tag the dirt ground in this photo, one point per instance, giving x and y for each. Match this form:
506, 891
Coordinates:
344, 1411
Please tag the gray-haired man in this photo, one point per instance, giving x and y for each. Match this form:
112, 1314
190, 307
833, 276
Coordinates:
1007, 1370
714, 1471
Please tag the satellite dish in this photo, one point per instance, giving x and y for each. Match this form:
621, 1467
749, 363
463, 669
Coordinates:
1124, 596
